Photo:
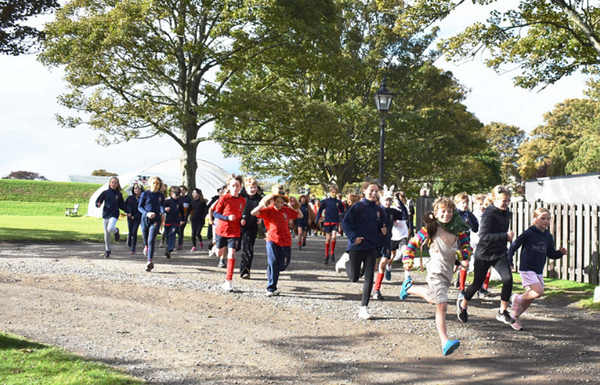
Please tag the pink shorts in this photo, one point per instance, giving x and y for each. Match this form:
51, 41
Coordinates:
528, 278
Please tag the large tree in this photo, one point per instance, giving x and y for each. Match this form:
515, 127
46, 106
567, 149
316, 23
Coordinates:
16, 37
547, 39
144, 68
314, 121
505, 141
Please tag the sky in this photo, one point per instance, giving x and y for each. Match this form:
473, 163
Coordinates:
32, 140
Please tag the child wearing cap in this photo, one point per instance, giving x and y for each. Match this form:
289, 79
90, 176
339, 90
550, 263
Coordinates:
276, 215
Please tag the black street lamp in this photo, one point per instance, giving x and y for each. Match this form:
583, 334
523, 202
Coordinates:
383, 100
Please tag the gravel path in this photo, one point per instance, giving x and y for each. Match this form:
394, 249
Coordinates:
175, 325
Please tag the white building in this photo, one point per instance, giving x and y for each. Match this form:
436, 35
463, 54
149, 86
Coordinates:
571, 189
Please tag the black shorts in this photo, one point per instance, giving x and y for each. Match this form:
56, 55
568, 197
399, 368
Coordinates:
303, 227
330, 228
398, 244
230, 243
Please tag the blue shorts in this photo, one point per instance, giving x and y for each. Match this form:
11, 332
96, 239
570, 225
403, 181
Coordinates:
231, 243
330, 228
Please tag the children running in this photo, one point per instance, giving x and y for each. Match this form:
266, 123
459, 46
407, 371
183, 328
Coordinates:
445, 233
174, 218
151, 206
279, 240
538, 244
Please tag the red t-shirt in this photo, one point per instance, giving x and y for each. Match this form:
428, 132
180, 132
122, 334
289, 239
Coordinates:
277, 224
227, 205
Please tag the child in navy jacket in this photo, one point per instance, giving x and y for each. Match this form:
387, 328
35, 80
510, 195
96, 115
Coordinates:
174, 218
113, 201
364, 225
537, 243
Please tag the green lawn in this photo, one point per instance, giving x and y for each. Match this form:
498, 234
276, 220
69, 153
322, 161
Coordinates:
24, 362
38, 191
39, 208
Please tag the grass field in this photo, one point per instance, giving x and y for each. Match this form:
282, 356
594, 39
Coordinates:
38, 208
38, 191
23, 363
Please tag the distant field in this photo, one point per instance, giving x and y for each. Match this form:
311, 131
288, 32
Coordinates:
39, 191
39, 208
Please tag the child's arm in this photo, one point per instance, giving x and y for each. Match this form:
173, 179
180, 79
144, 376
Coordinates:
264, 202
293, 202
122, 204
485, 235
473, 222
553, 253
517, 243
413, 245
465, 250
100, 199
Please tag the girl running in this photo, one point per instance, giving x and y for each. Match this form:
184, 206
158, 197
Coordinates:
185, 200
446, 236
151, 206
364, 225
491, 251
538, 244
113, 201
134, 217
302, 222
197, 213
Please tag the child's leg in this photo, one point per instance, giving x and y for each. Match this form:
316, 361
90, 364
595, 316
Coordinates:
106, 234
354, 265
133, 234
440, 321
420, 291
152, 233
486, 283
194, 232
327, 243
333, 241
462, 278
379, 274
230, 262
171, 236
480, 268
369, 266
502, 266
532, 292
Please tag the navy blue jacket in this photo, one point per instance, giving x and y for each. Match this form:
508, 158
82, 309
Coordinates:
303, 222
333, 207
113, 201
364, 219
493, 234
470, 219
391, 215
251, 203
152, 202
132, 202
537, 245
175, 214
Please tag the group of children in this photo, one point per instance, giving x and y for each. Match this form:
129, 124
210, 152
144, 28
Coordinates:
375, 228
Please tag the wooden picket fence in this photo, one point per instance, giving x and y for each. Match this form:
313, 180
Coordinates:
575, 227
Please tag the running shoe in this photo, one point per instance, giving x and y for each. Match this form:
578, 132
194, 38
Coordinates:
149, 266
504, 317
133, 252
462, 314
377, 295
179, 247
388, 273
168, 254
117, 236
106, 254
221, 263
193, 249
483, 293
450, 346
332, 257
145, 251
341, 264
407, 284
516, 325
246, 274
227, 286
201, 245
272, 293
516, 306
160, 245
364, 313
304, 242
326, 260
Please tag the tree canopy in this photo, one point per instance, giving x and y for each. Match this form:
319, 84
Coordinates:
142, 68
15, 37
25, 175
547, 40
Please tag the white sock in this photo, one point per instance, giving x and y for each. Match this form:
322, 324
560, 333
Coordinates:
388, 267
406, 274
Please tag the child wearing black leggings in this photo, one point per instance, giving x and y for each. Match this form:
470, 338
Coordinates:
494, 234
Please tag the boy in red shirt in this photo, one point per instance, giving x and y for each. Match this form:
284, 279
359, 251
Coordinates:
279, 241
228, 210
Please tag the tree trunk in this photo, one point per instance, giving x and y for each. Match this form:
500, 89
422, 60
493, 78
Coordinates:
189, 165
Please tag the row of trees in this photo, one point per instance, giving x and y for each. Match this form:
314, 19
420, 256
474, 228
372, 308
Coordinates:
288, 84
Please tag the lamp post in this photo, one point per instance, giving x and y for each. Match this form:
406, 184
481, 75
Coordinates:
383, 100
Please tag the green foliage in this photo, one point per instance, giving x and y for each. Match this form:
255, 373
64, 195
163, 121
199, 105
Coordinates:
548, 40
25, 362
39, 191
505, 141
16, 37
568, 141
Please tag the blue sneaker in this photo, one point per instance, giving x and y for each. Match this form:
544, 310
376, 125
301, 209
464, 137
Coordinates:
388, 274
450, 347
407, 284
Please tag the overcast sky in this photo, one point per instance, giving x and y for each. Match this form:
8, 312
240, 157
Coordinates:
32, 140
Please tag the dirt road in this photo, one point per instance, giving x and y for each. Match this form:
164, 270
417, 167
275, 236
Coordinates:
176, 326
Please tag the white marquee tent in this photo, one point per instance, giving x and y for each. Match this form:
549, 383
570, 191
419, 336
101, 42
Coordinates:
209, 178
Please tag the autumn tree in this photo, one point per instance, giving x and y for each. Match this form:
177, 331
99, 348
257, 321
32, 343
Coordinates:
15, 36
103, 172
505, 141
143, 68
